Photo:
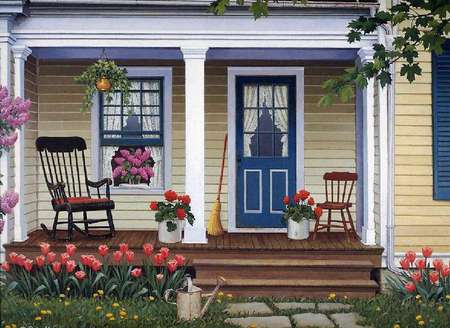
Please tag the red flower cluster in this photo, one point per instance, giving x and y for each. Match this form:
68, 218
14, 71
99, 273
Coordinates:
170, 195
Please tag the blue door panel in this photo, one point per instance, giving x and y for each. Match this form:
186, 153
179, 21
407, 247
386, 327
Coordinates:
266, 169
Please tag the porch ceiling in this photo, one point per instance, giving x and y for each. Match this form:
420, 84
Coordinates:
212, 54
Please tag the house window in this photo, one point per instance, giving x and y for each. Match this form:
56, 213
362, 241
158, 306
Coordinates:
441, 124
132, 140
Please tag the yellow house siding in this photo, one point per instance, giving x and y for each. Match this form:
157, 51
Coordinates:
419, 220
329, 132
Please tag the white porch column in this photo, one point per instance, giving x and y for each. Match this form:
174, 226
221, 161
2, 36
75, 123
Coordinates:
194, 60
20, 54
368, 230
6, 41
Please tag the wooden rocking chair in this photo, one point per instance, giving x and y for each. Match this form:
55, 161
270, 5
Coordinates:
64, 166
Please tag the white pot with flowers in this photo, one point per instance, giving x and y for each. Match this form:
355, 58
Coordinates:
171, 216
298, 213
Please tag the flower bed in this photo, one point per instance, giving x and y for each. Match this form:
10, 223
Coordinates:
109, 274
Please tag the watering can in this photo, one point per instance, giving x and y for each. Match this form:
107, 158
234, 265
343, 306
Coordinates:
189, 300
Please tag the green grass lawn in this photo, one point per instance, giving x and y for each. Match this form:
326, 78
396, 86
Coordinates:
383, 311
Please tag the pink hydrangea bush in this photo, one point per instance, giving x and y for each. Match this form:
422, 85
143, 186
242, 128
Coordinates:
13, 114
134, 166
422, 278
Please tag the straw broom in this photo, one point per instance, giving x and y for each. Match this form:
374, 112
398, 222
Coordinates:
214, 225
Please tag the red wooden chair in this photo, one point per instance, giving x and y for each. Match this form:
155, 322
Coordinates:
338, 190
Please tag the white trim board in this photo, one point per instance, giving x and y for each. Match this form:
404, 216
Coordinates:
233, 72
139, 71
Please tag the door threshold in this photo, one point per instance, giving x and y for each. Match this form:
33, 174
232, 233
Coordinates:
257, 230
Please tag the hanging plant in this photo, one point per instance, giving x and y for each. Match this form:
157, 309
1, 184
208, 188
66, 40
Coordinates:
104, 76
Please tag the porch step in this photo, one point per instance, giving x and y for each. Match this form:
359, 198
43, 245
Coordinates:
287, 268
293, 287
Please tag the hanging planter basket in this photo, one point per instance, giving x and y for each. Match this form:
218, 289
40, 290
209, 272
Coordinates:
106, 77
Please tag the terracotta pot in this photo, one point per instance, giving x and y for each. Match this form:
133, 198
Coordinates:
103, 84
170, 237
298, 230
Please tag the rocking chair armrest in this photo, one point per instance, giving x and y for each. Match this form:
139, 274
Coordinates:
100, 183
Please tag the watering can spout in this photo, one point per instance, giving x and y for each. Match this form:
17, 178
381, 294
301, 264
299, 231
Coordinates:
220, 282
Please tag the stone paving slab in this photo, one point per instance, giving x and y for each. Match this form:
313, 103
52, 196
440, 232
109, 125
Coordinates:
295, 306
319, 320
347, 320
261, 322
333, 306
248, 308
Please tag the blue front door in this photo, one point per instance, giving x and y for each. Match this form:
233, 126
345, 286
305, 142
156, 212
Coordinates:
265, 149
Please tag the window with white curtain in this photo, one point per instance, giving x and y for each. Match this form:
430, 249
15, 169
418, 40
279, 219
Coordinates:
132, 136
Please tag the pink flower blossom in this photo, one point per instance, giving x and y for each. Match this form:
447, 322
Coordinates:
119, 160
146, 155
134, 171
117, 172
125, 153
8, 201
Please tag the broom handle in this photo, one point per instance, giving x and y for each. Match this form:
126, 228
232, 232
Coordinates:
223, 166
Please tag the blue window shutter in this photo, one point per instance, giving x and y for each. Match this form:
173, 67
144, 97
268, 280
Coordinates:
441, 124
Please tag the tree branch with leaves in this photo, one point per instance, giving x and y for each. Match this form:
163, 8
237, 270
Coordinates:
422, 25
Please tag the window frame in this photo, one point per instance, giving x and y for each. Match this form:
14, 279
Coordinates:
142, 72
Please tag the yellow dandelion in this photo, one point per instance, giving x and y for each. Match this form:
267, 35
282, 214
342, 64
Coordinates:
418, 297
220, 294
112, 319
230, 295
109, 315
36, 304
396, 326
151, 298
98, 308
95, 295
13, 325
122, 313
62, 295
440, 308
68, 288
345, 297
43, 312
66, 303
332, 296
418, 317
219, 301
115, 305
7, 326
49, 312
253, 325
420, 302
135, 317
38, 318
447, 297
421, 323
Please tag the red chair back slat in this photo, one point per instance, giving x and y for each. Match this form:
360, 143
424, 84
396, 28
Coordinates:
344, 178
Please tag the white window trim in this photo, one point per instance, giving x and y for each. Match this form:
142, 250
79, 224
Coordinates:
233, 72
139, 71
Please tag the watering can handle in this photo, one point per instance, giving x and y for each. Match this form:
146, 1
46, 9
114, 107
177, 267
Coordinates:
220, 281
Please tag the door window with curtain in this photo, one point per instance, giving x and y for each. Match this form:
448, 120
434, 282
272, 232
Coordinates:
134, 130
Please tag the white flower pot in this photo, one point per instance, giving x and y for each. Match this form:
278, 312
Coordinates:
170, 237
298, 231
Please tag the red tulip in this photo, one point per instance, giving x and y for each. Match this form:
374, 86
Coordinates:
318, 212
421, 264
180, 260
103, 250
180, 213
56, 266
13, 257
410, 287
411, 256
51, 257
304, 194
20, 260
286, 200
445, 271
123, 248
80, 275
154, 206
159, 276
148, 249
434, 276
117, 256
130, 256
427, 251
136, 273
158, 259
86, 260
45, 248
405, 263
311, 201
438, 264
70, 266
172, 266
96, 265
71, 249
164, 252
5, 266
40, 261
64, 258
416, 276
28, 265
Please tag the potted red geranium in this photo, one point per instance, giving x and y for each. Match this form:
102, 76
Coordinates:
171, 215
298, 214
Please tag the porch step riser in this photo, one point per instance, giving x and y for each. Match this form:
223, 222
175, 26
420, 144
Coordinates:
262, 272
